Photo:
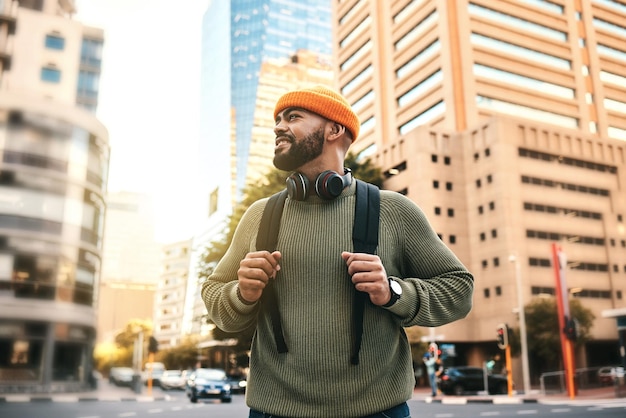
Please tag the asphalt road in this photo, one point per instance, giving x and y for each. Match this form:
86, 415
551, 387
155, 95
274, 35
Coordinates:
178, 406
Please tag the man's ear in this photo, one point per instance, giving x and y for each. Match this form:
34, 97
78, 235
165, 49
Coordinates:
336, 130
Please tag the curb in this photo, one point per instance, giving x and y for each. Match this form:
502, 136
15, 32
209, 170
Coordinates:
74, 398
495, 401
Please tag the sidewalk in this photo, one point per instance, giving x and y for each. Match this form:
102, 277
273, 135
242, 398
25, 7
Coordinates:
604, 394
105, 392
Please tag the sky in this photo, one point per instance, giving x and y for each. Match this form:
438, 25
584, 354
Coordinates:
149, 101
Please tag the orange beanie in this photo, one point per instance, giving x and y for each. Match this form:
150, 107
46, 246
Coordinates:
325, 102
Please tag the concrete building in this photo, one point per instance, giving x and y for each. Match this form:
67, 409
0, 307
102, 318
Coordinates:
53, 176
506, 122
131, 263
171, 294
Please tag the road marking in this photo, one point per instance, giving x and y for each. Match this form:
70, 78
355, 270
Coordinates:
444, 415
560, 410
127, 414
527, 412
155, 411
489, 414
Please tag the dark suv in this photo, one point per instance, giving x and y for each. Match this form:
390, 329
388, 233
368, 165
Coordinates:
461, 379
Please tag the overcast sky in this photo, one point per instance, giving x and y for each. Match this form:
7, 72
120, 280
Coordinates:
149, 101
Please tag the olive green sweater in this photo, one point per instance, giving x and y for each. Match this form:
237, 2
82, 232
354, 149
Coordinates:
315, 378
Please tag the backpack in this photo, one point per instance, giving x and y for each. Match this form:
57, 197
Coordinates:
364, 240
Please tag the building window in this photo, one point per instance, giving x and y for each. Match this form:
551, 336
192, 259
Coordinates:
478, 183
55, 42
487, 152
489, 178
498, 291
446, 160
480, 210
437, 210
494, 233
448, 186
486, 292
51, 75
492, 205
433, 158
452, 239
484, 264
618, 294
435, 184
496, 261
450, 212
482, 236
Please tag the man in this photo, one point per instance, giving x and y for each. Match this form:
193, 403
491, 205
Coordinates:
430, 363
414, 279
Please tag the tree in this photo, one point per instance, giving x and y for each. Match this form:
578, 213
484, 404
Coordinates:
272, 183
543, 333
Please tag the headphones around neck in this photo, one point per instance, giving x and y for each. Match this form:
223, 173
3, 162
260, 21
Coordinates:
328, 185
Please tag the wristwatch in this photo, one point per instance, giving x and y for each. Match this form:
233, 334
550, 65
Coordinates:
396, 291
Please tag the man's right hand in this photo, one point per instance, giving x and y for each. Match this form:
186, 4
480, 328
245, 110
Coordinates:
255, 271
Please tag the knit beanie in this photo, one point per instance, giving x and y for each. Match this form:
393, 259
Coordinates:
325, 102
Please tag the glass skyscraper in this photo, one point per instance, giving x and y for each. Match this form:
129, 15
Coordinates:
238, 36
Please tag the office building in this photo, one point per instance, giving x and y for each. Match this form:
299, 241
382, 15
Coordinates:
53, 176
171, 294
506, 122
131, 263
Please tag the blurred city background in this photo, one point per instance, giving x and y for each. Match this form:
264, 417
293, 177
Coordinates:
134, 132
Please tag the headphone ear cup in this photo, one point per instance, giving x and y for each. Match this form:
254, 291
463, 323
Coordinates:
329, 184
297, 186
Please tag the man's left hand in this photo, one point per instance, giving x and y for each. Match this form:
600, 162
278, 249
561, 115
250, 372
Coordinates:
369, 276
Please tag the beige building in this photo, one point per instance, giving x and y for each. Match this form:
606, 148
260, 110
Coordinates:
172, 294
53, 177
131, 263
506, 122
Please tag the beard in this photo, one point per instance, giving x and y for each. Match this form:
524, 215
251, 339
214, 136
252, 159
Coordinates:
301, 151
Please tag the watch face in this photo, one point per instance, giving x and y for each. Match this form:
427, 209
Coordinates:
395, 287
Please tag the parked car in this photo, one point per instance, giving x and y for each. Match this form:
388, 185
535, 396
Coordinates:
238, 383
121, 376
152, 371
209, 384
461, 379
607, 375
173, 379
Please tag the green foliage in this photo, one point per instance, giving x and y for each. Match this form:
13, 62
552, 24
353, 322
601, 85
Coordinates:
183, 356
126, 337
543, 333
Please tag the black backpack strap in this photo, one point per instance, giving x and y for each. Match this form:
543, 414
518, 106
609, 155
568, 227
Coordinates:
365, 240
266, 240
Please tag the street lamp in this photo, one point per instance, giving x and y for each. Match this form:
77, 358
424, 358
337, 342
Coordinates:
522, 323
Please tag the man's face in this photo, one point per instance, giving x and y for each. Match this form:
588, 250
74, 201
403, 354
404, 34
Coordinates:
299, 138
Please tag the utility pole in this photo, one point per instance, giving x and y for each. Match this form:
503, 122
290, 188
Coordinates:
522, 323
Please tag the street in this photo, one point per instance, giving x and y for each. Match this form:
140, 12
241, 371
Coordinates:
177, 405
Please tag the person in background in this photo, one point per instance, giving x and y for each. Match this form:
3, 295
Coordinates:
413, 279
431, 371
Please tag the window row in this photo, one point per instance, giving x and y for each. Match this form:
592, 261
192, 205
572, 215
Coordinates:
584, 293
559, 210
565, 186
573, 162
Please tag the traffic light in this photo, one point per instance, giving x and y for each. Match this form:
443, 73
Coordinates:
502, 336
153, 345
571, 329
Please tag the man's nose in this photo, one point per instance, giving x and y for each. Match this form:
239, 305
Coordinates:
279, 128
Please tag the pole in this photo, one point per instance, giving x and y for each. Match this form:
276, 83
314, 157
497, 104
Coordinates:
559, 261
522, 325
150, 361
509, 374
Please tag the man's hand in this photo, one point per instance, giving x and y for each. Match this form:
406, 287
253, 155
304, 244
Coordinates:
369, 276
255, 271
